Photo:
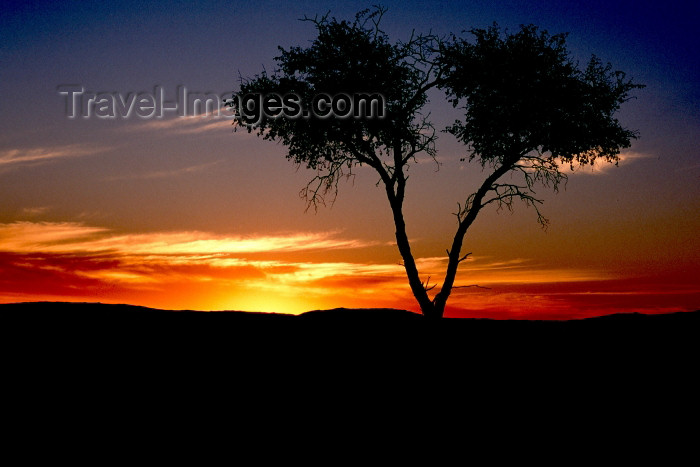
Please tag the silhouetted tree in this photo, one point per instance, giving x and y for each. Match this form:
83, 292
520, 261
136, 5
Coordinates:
527, 109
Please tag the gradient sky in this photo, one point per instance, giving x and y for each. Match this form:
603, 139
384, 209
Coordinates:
182, 213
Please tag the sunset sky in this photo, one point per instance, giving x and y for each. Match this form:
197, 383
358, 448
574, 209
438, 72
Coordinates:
183, 213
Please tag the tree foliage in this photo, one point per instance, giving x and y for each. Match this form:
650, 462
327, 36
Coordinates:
524, 94
350, 57
528, 108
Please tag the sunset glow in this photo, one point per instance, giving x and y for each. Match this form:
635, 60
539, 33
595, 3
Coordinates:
184, 213
196, 270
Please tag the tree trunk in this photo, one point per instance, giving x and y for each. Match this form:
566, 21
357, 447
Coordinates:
455, 253
419, 292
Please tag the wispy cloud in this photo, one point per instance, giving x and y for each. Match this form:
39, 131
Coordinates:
70, 237
191, 125
601, 167
18, 157
167, 173
35, 211
47, 258
26, 237
222, 251
185, 125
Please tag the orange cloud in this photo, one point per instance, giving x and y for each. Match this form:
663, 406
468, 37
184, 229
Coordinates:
68, 237
205, 271
86, 258
600, 166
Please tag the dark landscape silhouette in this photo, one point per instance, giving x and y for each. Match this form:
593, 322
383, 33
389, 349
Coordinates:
383, 338
61, 310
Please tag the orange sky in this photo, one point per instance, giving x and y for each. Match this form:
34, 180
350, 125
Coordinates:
294, 273
182, 213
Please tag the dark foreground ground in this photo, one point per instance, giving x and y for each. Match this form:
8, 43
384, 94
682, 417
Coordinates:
620, 346
51, 310
49, 313
376, 373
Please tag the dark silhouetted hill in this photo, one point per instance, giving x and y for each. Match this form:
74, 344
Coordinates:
371, 318
622, 344
69, 309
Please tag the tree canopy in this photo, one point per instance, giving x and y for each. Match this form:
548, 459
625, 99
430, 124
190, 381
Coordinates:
524, 94
528, 108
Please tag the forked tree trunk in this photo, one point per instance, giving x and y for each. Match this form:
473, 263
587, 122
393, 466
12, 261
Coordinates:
429, 309
435, 309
